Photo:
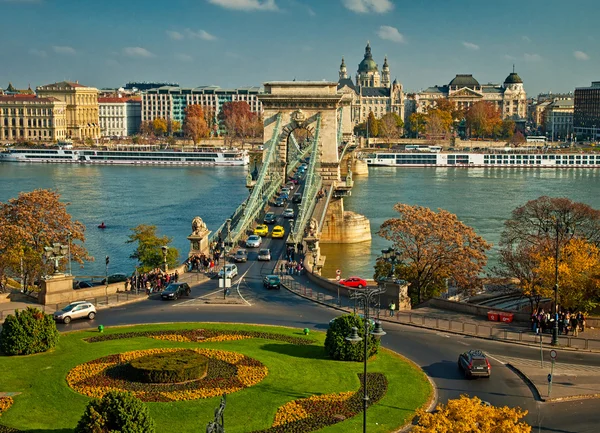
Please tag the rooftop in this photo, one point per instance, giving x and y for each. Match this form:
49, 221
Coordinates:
464, 80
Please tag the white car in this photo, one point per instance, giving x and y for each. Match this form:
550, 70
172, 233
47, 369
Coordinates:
288, 213
264, 254
75, 310
230, 271
253, 241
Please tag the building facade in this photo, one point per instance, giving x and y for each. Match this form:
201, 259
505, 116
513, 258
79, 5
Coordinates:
373, 92
82, 107
169, 102
464, 90
586, 118
558, 119
119, 117
27, 118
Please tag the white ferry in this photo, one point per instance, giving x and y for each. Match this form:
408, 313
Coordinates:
205, 156
463, 159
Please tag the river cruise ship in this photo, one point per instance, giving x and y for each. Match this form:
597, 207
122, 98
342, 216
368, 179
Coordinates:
204, 156
467, 159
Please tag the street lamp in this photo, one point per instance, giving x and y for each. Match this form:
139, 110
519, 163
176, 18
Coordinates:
391, 256
365, 297
69, 235
165, 249
56, 252
560, 228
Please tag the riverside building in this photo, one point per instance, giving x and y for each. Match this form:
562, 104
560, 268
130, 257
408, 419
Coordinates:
119, 116
586, 116
29, 118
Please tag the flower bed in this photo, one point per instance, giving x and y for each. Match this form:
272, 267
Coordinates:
5, 404
318, 411
227, 372
168, 367
201, 336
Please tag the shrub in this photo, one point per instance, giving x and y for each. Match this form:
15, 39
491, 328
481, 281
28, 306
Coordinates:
116, 412
168, 367
336, 345
29, 331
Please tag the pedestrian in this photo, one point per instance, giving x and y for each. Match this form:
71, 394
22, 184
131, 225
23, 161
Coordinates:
126, 284
392, 308
281, 266
176, 276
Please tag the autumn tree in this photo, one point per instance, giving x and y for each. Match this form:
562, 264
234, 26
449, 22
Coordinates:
482, 119
146, 128
390, 127
417, 123
195, 126
238, 119
159, 126
434, 247
517, 139
173, 126
149, 248
470, 415
372, 125
438, 124
534, 234
507, 128
29, 223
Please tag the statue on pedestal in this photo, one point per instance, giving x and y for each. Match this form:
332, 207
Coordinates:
199, 237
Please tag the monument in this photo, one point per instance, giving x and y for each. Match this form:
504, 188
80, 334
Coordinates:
199, 238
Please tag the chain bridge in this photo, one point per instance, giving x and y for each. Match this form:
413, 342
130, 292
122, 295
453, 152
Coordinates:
323, 115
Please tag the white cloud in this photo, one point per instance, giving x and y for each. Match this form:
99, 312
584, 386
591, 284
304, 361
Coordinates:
532, 57
39, 53
176, 36
526, 39
509, 57
246, 5
58, 49
470, 46
183, 57
391, 34
580, 55
311, 12
137, 52
200, 34
366, 6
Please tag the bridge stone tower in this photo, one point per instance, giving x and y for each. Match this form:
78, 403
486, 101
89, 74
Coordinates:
300, 104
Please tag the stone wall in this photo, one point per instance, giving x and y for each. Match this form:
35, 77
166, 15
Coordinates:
476, 310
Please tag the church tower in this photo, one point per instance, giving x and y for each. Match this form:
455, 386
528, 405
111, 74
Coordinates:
343, 71
385, 74
368, 73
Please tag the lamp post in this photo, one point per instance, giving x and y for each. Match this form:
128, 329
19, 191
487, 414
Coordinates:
70, 266
365, 297
107, 261
56, 252
560, 228
165, 250
390, 255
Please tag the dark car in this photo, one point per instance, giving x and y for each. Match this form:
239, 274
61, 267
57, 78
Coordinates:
279, 202
474, 363
240, 256
270, 218
115, 278
272, 282
82, 285
175, 290
297, 197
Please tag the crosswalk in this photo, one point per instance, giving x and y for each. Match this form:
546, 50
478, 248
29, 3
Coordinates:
564, 367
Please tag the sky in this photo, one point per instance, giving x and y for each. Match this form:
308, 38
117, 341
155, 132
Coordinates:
553, 44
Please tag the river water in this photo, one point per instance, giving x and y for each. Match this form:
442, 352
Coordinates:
126, 196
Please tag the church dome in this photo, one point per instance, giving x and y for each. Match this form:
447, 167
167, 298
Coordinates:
464, 80
367, 64
513, 78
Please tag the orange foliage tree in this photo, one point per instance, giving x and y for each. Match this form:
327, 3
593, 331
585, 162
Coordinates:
29, 223
239, 121
483, 119
195, 126
471, 415
160, 126
434, 247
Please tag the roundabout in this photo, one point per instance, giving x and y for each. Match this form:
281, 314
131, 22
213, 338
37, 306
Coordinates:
276, 379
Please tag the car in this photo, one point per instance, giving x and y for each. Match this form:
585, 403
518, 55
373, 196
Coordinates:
82, 284
294, 180
264, 254
297, 198
474, 363
240, 256
253, 241
290, 186
288, 213
115, 278
75, 310
175, 290
261, 230
354, 282
304, 166
284, 195
279, 202
278, 232
270, 218
285, 190
229, 270
272, 282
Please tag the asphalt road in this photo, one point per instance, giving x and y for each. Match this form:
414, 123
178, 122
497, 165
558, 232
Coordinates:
435, 352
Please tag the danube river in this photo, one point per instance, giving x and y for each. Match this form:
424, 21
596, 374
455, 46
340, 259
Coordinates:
126, 196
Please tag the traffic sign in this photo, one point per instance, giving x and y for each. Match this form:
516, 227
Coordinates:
549, 377
553, 354
338, 272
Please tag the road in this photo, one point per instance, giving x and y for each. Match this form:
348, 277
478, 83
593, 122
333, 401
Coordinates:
435, 352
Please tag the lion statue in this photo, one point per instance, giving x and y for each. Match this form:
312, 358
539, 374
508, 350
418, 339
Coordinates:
312, 227
198, 226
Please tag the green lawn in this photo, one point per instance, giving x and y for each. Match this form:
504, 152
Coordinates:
47, 404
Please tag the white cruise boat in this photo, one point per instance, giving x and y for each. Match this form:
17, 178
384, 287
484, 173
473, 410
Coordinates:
466, 159
204, 156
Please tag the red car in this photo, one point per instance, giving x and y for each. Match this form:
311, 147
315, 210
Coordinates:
354, 282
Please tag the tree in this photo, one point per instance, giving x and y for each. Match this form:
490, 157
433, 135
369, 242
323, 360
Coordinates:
434, 247
29, 223
529, 240
159, 127
238, 119
507, 129
417, 122
482, 119
149, 248
173, 127
116, 411
336, 345
373, 125
517, 139
146, 128
28, 332
390, 127
438, 124
194, 125
470, 415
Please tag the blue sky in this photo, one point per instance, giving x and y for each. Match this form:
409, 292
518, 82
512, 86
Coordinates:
234, 43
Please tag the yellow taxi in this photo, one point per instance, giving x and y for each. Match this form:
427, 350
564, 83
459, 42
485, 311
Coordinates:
261, 230
278, 232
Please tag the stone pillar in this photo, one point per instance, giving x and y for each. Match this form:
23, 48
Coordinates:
56, 289
344, 227
396, 293
199, 238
